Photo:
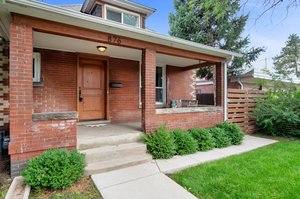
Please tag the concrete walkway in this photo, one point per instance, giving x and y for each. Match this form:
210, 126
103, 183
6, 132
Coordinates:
149, 180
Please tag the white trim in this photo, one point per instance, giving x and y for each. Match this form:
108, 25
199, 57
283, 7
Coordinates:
122, 11
62, 15
37, 67
225, 87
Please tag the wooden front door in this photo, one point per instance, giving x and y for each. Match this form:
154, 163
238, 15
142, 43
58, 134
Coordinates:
92, 90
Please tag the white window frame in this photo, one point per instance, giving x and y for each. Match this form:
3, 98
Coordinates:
163, 103
164, 87
37, 67
122, 13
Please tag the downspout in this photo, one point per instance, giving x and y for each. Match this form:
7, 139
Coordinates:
240, 83
228, 60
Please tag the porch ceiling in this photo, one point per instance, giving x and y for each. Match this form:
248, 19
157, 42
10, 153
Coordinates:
56, 42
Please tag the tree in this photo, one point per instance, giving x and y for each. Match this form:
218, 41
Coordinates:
214, 23
287, 63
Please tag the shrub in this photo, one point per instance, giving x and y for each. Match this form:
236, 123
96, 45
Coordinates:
221, 138
185, 143
54, 169
278, 112
204, 138
160, 144
233, 131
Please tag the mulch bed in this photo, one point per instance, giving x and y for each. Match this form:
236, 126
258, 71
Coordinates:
5, 179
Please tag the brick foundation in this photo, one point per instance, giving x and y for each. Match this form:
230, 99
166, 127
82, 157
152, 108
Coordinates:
185, 121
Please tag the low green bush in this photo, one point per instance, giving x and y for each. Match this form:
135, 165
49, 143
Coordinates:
54, 169
233, 131
204, 138
221, 138
160, 144
185, 143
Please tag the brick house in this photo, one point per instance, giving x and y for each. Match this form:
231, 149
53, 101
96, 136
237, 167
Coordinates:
97, 62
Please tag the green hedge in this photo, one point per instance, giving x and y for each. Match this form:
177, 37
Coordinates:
164, 144
160, 144
204, 139
185, 143
54, 169
221, 138
233, 131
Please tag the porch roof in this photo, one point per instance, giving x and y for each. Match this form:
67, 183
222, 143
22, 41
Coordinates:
62, 15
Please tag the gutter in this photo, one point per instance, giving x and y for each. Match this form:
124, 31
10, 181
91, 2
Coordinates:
240, 83
58, 14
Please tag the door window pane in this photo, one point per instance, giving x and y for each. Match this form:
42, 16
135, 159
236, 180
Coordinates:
114, 16
97, 11
130, 19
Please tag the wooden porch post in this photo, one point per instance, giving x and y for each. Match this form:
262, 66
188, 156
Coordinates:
148, 88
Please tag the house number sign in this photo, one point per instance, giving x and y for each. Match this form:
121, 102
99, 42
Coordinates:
114, 39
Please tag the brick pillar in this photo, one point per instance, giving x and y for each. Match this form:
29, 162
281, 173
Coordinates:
21, 94
148, 88
219, 84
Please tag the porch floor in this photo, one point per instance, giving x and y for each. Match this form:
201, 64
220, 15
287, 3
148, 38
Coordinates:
110, 134
86, 132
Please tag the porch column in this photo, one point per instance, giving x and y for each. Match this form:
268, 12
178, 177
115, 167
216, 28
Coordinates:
219, 84
148, 88
20, 94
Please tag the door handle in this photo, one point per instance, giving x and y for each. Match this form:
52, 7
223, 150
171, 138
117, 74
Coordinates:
80, 95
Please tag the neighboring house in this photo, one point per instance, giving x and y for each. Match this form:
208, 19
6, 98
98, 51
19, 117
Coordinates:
99, 63
254, 79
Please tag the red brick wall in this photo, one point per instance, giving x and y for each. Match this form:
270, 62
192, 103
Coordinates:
57, 91
180, 84
124, 102
185, 121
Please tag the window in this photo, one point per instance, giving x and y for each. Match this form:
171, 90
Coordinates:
114, 15
97, 11
160, 85
36, 67
122, 16
130, 19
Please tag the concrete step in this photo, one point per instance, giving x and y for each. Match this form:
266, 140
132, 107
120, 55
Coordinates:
113, 152
84, 144
114, 164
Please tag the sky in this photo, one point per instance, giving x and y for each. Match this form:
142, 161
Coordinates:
270, 31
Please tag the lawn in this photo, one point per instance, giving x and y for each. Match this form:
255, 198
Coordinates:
269, 172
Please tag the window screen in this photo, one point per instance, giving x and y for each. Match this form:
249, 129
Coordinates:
114, 16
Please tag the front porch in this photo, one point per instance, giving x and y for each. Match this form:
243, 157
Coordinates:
132, 81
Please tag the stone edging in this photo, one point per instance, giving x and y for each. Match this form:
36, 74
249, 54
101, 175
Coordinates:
17, 182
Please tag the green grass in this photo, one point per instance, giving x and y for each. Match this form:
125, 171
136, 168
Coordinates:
270, 172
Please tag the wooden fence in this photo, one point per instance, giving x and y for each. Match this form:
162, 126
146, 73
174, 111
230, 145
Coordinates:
241, 103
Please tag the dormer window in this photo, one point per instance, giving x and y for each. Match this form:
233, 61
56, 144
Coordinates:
122, 16
97, 11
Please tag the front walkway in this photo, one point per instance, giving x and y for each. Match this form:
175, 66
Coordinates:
149, 180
